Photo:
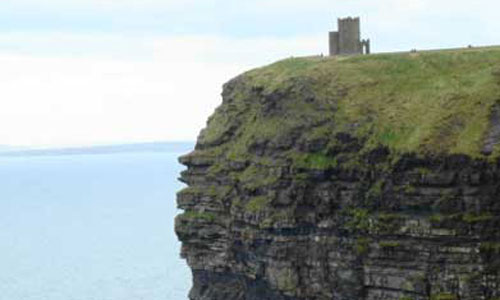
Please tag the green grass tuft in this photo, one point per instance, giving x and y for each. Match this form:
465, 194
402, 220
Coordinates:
313, 161
194, 215
257, 204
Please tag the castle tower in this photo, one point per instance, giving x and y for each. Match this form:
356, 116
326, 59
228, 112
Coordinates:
347, 40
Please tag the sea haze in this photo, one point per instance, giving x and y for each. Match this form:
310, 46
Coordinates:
91, 227
103, 149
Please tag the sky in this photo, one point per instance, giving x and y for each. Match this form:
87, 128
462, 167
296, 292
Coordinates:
85, 72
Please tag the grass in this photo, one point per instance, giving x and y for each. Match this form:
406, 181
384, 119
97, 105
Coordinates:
430, 102
444, 296
317, 161
359, 219
433, 102
194, 215
376, 190
257, 204
473, 218
362, 245
254, 176
490, 247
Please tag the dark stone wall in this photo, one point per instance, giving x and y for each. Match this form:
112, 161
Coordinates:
334, 43
349, 36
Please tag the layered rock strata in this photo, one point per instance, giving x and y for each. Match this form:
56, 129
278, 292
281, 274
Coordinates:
289, 199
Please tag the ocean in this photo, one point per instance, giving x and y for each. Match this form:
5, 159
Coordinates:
90, 227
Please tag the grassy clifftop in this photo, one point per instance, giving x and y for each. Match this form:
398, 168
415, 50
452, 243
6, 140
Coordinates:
437, 102
316, 174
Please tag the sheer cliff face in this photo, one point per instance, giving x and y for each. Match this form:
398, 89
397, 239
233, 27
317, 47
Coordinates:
307, 184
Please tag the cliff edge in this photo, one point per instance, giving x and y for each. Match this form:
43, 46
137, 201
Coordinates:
369, 177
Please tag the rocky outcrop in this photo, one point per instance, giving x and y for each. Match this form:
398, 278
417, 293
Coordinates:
287, 199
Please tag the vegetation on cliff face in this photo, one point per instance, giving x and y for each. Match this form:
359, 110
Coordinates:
369, 177
426, 102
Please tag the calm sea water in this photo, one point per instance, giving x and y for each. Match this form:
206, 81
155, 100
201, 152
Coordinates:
90, 227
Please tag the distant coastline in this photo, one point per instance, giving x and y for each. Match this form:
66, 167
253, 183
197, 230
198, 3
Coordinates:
171, 147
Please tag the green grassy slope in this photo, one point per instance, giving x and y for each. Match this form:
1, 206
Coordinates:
436, 102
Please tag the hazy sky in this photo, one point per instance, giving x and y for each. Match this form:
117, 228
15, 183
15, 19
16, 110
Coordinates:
79, 72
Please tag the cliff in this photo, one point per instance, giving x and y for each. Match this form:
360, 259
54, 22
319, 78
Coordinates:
369, 177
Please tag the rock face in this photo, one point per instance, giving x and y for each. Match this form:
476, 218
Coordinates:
291, 198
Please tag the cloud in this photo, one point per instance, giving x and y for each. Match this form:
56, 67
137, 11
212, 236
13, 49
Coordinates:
391, 19
92, 71
161, 88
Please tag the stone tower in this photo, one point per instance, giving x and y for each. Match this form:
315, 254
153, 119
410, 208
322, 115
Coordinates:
347, 40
